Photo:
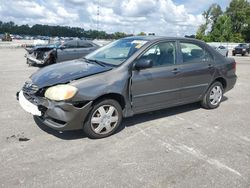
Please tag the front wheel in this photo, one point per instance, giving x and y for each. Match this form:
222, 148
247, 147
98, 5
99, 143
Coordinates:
213, 96
104, 119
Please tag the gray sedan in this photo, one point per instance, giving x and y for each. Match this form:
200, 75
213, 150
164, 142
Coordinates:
127, 77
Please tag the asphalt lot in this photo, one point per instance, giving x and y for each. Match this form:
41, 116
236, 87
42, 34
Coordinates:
185, 146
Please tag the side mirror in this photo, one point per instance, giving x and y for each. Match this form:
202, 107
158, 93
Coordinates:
143, 64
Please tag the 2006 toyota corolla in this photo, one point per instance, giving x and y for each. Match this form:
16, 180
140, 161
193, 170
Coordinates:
129, 76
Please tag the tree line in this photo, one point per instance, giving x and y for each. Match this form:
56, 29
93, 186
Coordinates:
59, 31
232, 25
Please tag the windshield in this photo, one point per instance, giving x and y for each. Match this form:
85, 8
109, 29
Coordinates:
116, 52
242, 45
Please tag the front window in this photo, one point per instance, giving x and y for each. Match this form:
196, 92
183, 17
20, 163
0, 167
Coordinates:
116, 52
161, 54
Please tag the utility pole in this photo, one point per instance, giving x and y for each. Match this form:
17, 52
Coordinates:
98, 15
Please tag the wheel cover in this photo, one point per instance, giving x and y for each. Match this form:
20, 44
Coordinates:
104, 119
215, 95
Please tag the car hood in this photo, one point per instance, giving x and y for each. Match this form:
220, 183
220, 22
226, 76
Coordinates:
43, 47
65, 72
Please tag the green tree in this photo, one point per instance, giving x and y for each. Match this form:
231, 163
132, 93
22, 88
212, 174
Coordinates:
201, 32
210, 15
141, 34
238, 10
118, 35
215, 12
232, 25
222, 29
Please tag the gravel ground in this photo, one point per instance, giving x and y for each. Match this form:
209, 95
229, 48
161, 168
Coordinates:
185, 146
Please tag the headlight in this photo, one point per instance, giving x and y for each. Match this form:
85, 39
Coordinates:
244, 49
60, 92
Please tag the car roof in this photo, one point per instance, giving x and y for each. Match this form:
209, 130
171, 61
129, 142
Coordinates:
156, 38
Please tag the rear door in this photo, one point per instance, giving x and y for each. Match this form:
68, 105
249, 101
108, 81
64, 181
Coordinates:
68, 52
156, 87
197, 70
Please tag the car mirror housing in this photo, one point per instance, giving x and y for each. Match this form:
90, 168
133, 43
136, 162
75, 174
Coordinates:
143, 64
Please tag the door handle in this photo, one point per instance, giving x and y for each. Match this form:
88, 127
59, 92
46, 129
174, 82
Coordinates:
175, 71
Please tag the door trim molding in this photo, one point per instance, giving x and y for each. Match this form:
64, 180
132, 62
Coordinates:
169, 91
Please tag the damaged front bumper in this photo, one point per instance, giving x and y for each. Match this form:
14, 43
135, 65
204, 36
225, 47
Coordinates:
61, 115
33, 61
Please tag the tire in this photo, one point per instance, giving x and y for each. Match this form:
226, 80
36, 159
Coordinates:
216, 90
104, 119
233, 54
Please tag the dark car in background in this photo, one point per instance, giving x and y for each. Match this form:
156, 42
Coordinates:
58, 52
127, 77
242, 49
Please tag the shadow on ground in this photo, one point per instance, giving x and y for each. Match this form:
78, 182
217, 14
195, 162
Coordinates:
137, 119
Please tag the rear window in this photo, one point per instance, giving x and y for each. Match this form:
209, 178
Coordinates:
193, 53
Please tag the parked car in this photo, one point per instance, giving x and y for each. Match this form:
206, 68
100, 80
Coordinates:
54, 53
127, 77
242, 49
6, 37
222, 49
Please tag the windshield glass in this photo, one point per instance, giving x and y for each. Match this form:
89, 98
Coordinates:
242, 45
116, 52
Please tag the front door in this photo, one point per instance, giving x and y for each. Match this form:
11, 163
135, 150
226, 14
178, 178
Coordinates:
68, 52
156, 87
84, 48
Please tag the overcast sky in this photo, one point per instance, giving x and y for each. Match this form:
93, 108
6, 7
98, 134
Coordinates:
163, 17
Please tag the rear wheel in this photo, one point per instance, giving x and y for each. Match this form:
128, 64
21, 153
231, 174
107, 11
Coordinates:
104, 119
213, 96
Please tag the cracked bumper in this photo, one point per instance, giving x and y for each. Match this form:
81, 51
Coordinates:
62, 115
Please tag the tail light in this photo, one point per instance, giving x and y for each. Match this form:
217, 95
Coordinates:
234, 66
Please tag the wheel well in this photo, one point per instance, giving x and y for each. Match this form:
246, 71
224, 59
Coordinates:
119, 98
222, 81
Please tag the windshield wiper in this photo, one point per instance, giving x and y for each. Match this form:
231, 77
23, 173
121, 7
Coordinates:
96, 61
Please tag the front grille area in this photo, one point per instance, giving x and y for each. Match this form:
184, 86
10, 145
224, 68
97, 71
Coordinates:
30, 88
30, 98
29, 91
238, 51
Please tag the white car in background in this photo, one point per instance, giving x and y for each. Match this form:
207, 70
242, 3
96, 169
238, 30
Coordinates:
222, 49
